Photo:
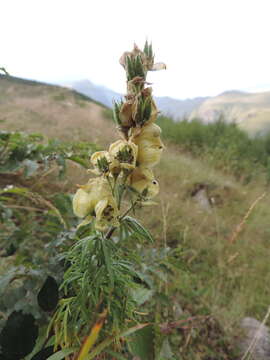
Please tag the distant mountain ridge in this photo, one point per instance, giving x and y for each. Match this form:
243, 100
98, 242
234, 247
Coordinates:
251, 111
174, 108
99, 93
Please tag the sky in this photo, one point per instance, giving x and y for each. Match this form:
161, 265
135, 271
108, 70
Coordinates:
209, 46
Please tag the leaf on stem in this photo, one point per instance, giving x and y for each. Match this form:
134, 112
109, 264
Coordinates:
138, 229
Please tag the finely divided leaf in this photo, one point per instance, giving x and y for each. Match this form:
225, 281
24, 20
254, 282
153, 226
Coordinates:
138, 229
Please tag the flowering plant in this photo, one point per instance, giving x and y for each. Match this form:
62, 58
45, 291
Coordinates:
99, 284
128, 163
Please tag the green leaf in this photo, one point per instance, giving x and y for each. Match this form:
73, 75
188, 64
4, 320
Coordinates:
62, 354
115, 355
108, 263
146, 49
30, 167
130, 68
15, 190
138, 229
150, 51
5, 280
61, 161
141, 344
139, 66
166, 351
116, 112
141, 295
79, 160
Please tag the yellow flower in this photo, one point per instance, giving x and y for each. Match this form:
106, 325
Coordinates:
101, 162
124, 153
106, 214
86, 197
150, 146
143, 180
95, 199
82, 203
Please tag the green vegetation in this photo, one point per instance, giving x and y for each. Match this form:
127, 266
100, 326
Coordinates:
224, 144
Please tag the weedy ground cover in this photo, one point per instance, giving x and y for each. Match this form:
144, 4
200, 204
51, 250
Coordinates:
224, 144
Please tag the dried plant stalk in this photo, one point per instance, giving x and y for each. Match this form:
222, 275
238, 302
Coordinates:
240, 226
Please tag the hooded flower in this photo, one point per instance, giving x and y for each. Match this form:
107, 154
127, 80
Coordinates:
101, 162
106, 214
85, 199
95, 199
143, 181
125, 153
82, 203
150, 146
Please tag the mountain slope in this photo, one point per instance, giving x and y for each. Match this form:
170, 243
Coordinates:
53, 110
176, 108
250, 111
99, 93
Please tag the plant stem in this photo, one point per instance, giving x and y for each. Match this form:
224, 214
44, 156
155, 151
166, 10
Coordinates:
122, 189
112, 229
110, 232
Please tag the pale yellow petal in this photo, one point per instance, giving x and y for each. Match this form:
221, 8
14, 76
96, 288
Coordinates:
142, 179
158, 66
149, 156
120, 146
98, 155
106, 214
83, 203
86, 198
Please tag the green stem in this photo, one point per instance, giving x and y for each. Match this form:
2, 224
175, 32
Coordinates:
112, 187
113, 228
122, 189
127, 211
110, 232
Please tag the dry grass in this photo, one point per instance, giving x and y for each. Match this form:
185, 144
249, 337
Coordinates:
229, 281
53, 111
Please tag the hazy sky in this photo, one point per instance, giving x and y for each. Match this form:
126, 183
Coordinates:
209, 46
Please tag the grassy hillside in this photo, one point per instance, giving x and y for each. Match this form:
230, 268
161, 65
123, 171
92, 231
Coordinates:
55, 111
250, 111
223, 272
